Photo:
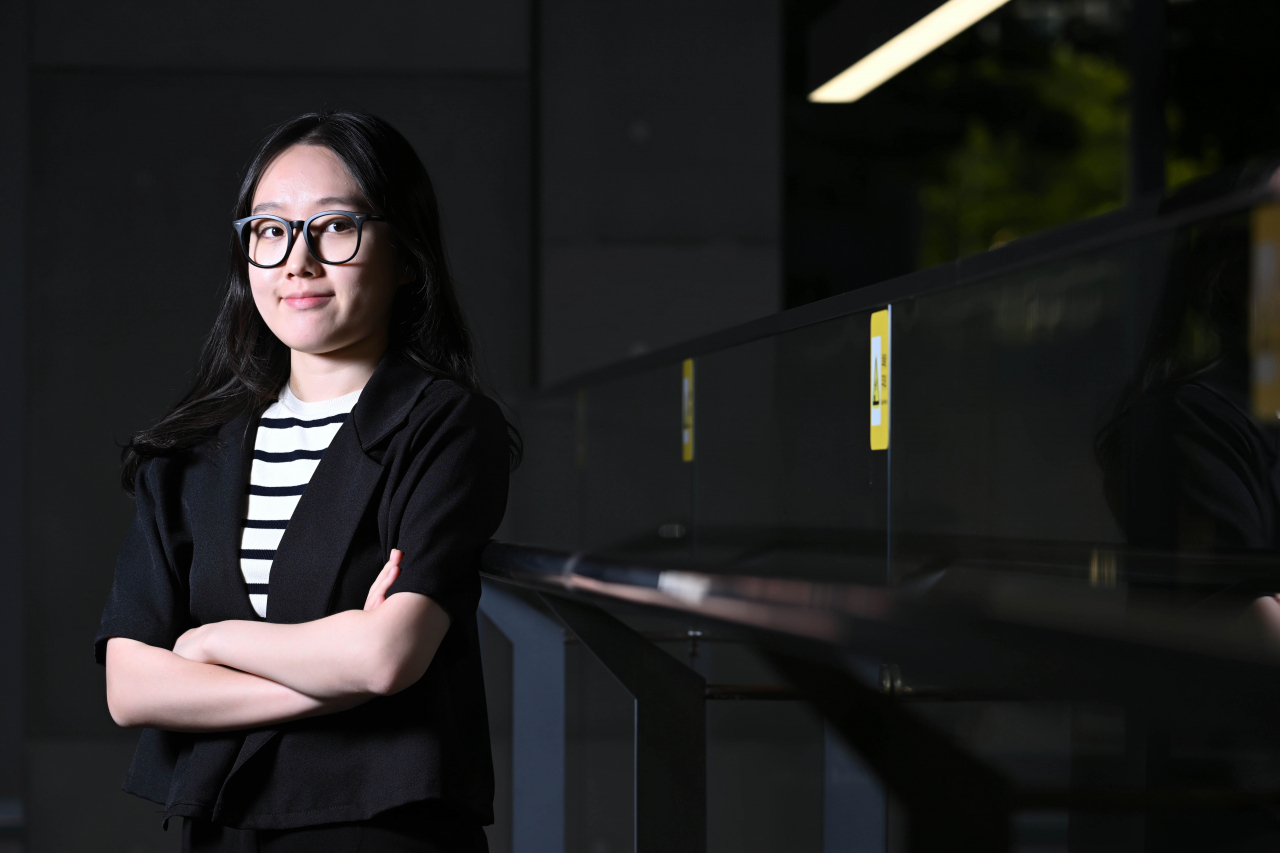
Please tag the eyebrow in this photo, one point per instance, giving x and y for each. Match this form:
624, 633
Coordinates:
348, 200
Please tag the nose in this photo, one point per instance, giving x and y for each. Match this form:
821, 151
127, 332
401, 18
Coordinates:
300, 264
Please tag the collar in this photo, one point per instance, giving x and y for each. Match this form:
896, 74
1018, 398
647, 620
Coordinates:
387, 399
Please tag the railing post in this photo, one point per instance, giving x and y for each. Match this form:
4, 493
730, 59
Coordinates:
854, 812
670, 729
537, 720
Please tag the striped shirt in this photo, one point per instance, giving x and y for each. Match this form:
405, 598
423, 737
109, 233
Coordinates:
292, 436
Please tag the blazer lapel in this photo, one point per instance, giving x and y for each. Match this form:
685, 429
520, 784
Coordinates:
217, 586
315, 543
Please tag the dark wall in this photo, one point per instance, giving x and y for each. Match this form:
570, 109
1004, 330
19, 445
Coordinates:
661, 183
13, 103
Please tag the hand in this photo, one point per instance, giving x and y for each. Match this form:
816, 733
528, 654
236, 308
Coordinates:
191, 645
384, 580
1266, 613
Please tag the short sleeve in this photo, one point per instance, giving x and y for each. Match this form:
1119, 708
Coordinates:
450, 500
146, 601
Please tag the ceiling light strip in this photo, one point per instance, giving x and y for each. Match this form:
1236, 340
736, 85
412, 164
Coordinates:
907, 47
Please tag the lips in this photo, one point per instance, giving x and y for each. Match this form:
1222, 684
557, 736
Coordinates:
306, 300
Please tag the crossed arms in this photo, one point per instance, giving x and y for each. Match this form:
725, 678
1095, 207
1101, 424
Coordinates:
238, 674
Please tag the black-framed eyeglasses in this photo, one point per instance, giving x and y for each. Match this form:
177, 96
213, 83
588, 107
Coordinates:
332, 236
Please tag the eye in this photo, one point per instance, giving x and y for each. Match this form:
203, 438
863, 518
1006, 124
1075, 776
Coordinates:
340, 226
268, 231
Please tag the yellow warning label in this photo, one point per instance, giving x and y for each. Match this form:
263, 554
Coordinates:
686, 412
880, 380
1264, 312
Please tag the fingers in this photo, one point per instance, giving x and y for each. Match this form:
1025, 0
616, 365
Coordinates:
378, 592
384, 580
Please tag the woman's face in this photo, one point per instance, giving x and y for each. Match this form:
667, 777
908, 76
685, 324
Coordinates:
313, 307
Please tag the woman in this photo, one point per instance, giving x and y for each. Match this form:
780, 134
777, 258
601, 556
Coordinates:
1186, 467
298, 636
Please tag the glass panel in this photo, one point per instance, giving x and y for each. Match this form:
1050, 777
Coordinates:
544, 507
1093, 437
637, 489
999, 391
1219, 54
1084, 436
1096, 417
764, 763
786, 480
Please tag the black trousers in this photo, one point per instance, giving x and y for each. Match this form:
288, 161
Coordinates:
412, 829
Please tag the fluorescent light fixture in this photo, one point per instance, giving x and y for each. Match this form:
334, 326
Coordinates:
907, 47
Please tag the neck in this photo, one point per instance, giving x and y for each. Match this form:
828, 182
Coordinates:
322, 376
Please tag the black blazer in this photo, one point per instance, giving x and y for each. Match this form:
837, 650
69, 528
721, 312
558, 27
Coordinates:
421, 465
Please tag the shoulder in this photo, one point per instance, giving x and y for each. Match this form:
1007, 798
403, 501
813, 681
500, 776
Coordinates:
1212, 419
447, 413
169, 474
153, 472
410, 409
403, 398
1195, 404
445, 399
452, 437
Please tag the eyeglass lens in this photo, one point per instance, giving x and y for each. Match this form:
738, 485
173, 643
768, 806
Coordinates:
334, 239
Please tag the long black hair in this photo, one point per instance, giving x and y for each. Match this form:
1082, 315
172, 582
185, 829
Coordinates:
1200, 328
243, 366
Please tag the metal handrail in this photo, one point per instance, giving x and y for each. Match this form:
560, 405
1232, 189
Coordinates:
807, 630
1012, 638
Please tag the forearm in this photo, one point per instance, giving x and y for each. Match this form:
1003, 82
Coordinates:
148, 686
352, 653
324, 658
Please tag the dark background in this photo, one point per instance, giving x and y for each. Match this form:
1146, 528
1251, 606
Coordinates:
614, 178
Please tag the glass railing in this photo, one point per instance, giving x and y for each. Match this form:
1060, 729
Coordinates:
1079, 500
1083, 406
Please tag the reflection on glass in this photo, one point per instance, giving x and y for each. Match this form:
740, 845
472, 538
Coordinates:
1019, 124
1218, 52
1191, 477
1186, 467
997, 389
1090, 439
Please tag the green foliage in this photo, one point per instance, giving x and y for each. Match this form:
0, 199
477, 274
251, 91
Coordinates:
1182, 168
999, 185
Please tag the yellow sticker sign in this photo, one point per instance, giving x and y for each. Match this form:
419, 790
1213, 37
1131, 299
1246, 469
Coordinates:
686, 412
1264, 312
880, 380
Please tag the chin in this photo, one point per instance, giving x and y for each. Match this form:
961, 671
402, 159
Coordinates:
311, 347
306, 340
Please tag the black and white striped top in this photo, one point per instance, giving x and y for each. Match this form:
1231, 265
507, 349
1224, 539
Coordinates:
292, 436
